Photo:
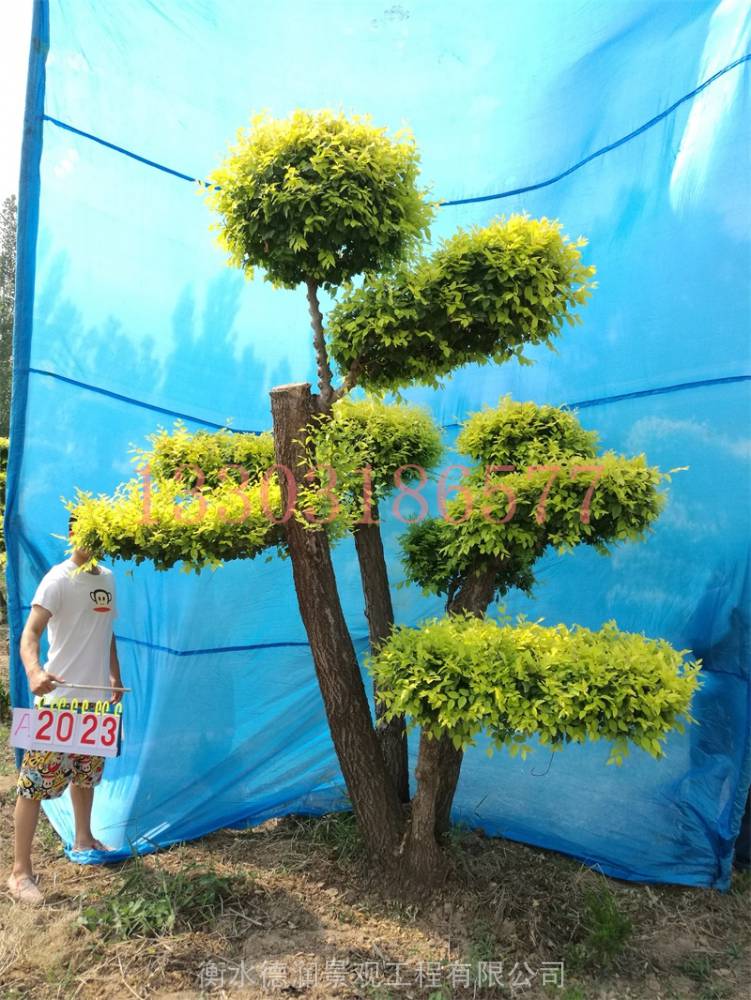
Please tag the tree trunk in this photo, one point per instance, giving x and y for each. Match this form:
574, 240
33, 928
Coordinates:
424, 860
449, 766
380, 614
475, 593
374, 800
474, 596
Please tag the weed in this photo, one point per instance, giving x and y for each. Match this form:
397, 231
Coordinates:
336, 832
379, 993
48, 838
63, 978
735, 951
6, 759
697, 967
483, 944
456, 834
440, 994
741, 883
573, 993
402, 912
607, 928
716, 991
151, 902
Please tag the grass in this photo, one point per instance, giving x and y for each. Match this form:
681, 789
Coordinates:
4, 703
47, 836
152, 902
607, 928
717, 991
484, 945
335, 832
6, 760
698, 968
604, 932
741, 884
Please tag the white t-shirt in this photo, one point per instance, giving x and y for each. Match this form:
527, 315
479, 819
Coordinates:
82, 606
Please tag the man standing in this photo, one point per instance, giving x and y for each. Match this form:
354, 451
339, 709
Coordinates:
77, 607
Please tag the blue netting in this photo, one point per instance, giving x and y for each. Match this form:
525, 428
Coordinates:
127, 315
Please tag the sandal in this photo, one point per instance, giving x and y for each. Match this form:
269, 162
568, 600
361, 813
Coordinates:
23, 889
96, 845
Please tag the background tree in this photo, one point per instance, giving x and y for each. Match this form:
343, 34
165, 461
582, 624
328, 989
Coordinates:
7, 294
4, 697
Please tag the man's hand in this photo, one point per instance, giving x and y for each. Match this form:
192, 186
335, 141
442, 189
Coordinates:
116, 682
42, 681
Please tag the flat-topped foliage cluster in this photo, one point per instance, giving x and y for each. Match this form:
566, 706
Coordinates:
206, 458
524, 434
205, 497
459, 676
380, 437
481, 296
156, 522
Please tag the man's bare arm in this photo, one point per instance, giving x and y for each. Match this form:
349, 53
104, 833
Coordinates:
115, 678
40, 681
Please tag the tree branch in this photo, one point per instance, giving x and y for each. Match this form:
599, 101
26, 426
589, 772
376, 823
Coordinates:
349, 382
319, 342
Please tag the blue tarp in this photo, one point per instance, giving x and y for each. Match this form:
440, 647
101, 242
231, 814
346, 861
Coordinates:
127, 316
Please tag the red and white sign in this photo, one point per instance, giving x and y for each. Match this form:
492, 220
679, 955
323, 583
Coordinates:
91, 733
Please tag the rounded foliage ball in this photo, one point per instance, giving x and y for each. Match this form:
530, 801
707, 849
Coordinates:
319, 196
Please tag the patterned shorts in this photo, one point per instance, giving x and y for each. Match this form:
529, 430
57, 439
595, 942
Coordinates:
45, 774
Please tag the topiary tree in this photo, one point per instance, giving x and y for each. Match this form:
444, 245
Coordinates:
317, 200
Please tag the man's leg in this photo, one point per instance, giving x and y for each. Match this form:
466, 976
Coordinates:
82, 797
87, 773
25, 817
41, 777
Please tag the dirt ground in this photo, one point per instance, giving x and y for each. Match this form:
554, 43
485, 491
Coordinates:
300, 916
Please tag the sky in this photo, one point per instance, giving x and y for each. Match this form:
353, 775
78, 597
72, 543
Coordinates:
14, 55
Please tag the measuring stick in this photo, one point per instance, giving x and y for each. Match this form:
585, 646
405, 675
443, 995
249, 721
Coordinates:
91, 687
